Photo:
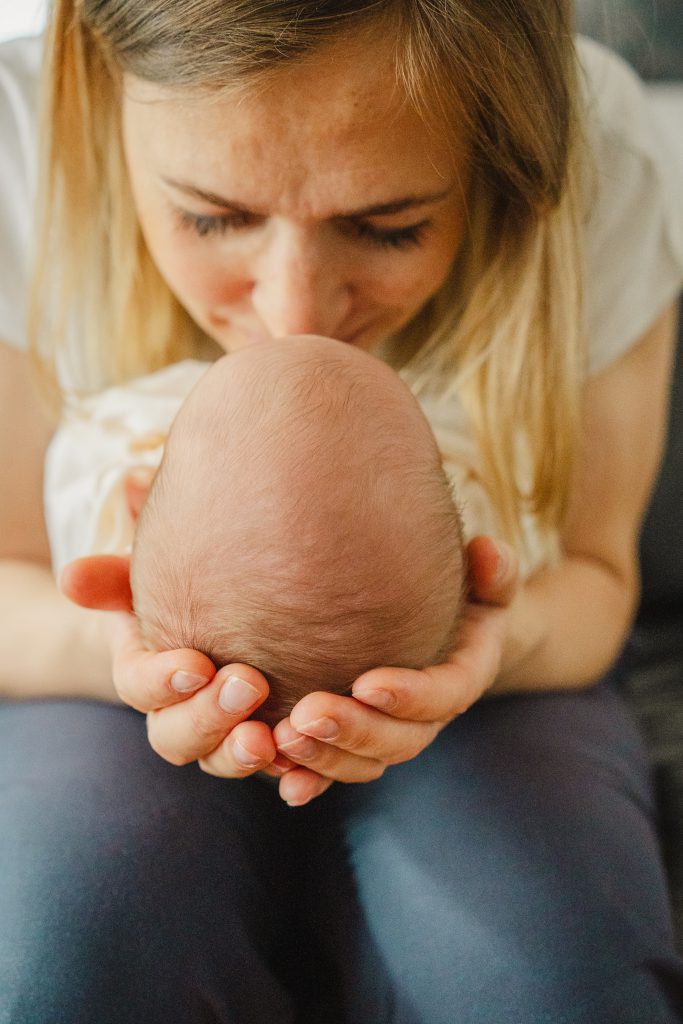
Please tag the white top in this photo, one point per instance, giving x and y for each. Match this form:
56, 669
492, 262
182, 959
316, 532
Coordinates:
634, 228
100, 440
19, 69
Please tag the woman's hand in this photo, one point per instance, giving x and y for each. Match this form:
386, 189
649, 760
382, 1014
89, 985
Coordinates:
193, 712
395, 713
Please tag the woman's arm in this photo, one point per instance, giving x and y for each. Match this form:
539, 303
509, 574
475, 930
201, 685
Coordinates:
569, 623
48, 646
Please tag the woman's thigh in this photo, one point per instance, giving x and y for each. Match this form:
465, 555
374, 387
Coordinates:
510, 873
131, 890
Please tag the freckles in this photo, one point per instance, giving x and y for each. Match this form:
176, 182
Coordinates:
417, 282
208, 280
223, 287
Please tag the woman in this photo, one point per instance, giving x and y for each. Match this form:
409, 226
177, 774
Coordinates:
429, 182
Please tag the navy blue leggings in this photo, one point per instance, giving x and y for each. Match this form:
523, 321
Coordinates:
509, 875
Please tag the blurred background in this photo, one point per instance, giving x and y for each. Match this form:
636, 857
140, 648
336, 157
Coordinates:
648, 33
21, 17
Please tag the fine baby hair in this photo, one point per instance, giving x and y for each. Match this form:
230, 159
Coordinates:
301, 521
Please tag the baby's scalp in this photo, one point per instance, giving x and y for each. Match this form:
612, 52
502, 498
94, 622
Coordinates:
301, 521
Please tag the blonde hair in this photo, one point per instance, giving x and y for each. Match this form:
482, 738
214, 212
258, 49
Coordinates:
505, 330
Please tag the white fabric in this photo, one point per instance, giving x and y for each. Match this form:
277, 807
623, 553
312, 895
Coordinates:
19, 69
462, 462
634, 235
100, 441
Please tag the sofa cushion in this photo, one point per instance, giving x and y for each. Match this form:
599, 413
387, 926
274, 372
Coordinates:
649, 35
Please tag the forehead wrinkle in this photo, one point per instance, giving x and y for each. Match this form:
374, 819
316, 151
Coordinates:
306, 147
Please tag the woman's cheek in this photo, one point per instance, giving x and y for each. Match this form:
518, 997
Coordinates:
198, 279
414, 283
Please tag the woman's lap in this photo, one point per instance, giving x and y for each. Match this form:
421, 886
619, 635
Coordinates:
130, 890
510, 872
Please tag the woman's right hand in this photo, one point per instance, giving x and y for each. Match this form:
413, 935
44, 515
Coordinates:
193, 712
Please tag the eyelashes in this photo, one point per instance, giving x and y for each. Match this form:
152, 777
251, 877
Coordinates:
205, 226
393, 238
389, 238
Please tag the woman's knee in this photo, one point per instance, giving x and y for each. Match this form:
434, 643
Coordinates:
121, 874
512, 873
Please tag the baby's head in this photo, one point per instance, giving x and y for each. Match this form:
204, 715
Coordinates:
301, 522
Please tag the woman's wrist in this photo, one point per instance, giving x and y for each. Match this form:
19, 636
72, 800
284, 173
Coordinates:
86, 655
524, 636
48, 646
565, 627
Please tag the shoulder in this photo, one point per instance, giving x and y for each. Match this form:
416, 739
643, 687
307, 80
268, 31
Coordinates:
634, 212
20, 61
151, 400
612, 91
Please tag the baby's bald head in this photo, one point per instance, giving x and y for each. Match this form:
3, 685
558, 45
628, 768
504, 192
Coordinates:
301, 522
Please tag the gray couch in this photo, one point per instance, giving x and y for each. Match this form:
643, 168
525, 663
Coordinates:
649, 34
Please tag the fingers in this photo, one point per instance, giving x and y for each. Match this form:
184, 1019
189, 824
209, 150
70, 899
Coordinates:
98, 581
302, 785
493, 571
148, 680
349, 740
248, 748
441, 692
195, 728
345, 740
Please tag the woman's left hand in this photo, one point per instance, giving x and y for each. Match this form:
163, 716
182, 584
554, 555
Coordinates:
395, 713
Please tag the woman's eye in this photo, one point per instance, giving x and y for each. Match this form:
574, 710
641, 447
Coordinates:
205, 225
392, 238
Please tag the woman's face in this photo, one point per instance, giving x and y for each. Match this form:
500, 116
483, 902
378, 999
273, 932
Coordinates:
319, 205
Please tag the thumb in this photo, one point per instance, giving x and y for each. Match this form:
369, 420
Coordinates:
493, 571
98, 581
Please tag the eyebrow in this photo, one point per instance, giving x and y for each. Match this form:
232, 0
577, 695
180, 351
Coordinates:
377, 210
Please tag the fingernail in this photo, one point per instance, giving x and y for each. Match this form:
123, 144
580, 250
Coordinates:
384, 700
302, 748
299, 803
321, 728
281, 763
237, 695
185, 682
244, 756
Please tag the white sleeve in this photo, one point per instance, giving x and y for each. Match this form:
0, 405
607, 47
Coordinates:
85, 504
634, 228
100, 441
19, 70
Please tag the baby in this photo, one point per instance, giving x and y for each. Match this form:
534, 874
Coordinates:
301, 522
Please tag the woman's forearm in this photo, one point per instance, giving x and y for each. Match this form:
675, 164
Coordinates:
48, 646
567, 626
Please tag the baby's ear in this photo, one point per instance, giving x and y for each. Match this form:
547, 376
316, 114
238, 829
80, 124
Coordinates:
98, 581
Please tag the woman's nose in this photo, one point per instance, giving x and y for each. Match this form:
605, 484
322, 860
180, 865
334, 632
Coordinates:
300, 288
